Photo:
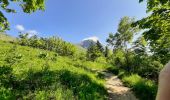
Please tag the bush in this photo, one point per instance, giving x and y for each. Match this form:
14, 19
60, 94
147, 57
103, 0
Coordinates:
56, 44
79, 55
122, 73
12, 57
144, 89
101, 60
113, 70
6, 94
118, 58
152, 70
43, 55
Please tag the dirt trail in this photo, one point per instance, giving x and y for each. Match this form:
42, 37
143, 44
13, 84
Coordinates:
116, 89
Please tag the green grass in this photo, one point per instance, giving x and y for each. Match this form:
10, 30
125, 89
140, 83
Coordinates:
5, 37
144, 89
42, 75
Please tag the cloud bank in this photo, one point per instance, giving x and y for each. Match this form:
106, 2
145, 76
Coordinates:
94, 38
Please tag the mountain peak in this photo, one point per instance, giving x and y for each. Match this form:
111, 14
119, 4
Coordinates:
93, 38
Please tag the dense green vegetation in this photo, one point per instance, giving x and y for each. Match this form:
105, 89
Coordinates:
55, 44
135, 63
139, 62
29, 73
51, 68
157, 26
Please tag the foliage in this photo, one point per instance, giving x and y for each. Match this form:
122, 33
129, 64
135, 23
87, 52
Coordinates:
5, 94
121, 39
13, 56
82, 84
37, 76
139, 46
52, 43
144, 89
23, 39
157, 26
100, 47
93, 52
124, 34
135, 57
28, 6
101, 60
80, 55
106, 52
118, 58
43, 55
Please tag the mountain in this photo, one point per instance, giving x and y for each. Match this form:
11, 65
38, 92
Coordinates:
86, 43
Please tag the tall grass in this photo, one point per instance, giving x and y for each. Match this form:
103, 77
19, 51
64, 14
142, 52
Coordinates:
41, 74
144, 89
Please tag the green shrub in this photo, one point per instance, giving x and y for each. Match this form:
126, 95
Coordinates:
83, 86
122, 73
144, 89
43, 55
35, 78
152, 70
6, 94
101, 60
118, 58
55, 44
113, 70
79, 55
13, 56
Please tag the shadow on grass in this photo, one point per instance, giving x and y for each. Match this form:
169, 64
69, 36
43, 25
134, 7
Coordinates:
78, 65
104, 74
80, 84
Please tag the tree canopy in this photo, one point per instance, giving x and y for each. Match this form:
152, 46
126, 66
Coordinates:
124, 34
28, 6
157, 26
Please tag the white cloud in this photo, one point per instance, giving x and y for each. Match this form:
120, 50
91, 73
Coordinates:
94, 38
23, 30
20, 28
31, 32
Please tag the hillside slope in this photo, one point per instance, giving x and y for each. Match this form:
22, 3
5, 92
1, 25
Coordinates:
6, 37
28, 73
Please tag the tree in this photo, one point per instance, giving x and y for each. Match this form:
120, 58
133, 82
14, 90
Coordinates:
23, 39
93, 52
100, 47
106, 52
140, 46
34, 41
158, 28
123, 37
28, 6
124, 34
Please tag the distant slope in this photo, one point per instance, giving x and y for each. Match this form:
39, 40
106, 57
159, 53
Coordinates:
6, 37
80, 48
86, 43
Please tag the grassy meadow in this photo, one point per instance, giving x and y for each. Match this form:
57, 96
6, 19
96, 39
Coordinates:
29, 73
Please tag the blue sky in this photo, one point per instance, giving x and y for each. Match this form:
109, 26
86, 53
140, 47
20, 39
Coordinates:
75, 20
